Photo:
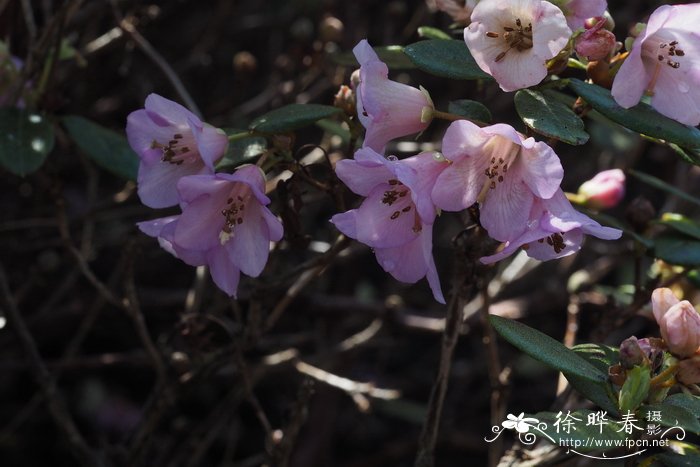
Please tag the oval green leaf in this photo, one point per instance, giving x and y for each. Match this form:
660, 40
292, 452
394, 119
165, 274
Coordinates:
109, 149
550, 117
241, 149
682, 224
292, 117
26, 138
686, 401
473, 110
545, 349
674, 415
661, 185
445, 58
677, 249
641, 118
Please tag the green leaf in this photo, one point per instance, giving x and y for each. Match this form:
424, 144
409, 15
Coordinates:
681, 224
686, 401
473, 110
635, 389
433, 33
549, 117
392, 55
545, 349
672, 459
292, 117
240, 150
641, 118
661, 185
677, 249
674, 415
26, 138
583, 437
445, 58
335, 128
109, 149
602, 357
598, 392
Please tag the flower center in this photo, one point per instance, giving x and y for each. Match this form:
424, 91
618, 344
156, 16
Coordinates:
663, 53
233, 215
176, 151
515, 37
396, 195
556, 241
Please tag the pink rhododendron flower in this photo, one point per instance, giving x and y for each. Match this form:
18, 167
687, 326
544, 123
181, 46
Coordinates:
665, 63
578, 11
459, 10
554, 230
387, 109
172, 143
224, 224
678, 321
499, 168
396, 218
604, 190
512, 40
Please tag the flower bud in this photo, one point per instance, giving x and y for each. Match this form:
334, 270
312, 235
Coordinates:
631, 353
680, 328
596, 43
604, 190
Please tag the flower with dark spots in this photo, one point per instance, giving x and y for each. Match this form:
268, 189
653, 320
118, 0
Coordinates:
396, 217
171, 143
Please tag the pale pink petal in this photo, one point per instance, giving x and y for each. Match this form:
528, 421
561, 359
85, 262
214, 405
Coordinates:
550, 32
201, 221
662, 299
142, 131
253, 177
578, 11
274, 225
631, 79
543, 251
463, 139
677, 95
157, 181
192, 187
211, 142
346, 222
379, 224
249, 245
542, 171
169, 109
506, 209
223, 271
459, 185
362, 178
420, 173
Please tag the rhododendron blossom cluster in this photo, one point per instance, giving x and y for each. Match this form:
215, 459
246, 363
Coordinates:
514, 179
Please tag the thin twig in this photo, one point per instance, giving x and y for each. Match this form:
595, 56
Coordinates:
158, 59
58, 410
496, 374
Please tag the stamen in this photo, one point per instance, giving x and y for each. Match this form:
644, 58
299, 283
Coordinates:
395, 215
492, 34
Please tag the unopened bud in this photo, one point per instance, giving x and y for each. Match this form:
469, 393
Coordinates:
639, 213
331, 29
345, 100
595, 44
605, 190
631, 353
609, 22
680, 328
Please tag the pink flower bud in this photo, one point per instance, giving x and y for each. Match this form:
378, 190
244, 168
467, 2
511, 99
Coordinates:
595, 44
604, 190
680, 328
